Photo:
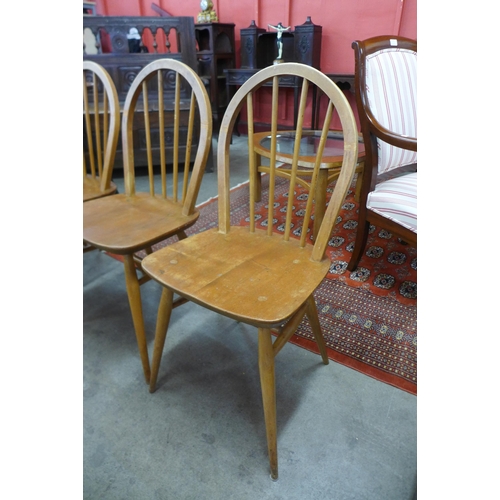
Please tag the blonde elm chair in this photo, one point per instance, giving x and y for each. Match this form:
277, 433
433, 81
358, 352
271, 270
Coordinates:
172, 102
386, 98
101, 112
252, 274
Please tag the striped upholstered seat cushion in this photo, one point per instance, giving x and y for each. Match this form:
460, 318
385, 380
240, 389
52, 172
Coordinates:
396, 199
391, 86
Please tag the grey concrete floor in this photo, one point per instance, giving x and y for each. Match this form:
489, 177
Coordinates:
201, 435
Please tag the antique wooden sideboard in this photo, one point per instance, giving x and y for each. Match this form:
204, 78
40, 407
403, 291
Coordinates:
259, 49
124, 45
216, 53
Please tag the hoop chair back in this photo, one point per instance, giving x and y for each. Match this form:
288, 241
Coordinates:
165, 96
101, 126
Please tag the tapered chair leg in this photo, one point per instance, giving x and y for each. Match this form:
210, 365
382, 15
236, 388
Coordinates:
312, 315
164, 313
267, 382
134, 298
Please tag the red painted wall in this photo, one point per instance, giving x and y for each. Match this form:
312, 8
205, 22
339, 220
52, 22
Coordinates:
343, 21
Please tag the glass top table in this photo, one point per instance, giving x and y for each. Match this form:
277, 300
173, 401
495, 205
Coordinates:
329, 167
285, 142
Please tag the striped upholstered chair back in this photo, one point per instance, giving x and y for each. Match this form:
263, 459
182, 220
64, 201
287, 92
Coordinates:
391, 91
386, 98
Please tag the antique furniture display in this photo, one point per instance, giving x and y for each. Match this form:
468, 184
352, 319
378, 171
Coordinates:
101, 126
216, 53
309, 144
160, 37
126, 223
386, 97
252, 274
259, 49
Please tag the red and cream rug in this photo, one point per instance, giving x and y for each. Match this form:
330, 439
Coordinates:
369, 316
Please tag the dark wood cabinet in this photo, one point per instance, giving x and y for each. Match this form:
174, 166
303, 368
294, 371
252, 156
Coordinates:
307, 43
215, 53
259, 48
106, 43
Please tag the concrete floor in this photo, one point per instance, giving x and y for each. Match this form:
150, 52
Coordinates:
341, 434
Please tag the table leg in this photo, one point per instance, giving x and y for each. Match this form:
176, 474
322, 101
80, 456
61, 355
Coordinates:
258, 183
320, 200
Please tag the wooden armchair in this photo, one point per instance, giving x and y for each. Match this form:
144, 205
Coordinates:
386, 98
101, 127
251, 274
129, 222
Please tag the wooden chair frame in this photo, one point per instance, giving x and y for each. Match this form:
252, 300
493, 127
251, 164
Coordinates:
373, 131
249, 274
127, 223
101, 113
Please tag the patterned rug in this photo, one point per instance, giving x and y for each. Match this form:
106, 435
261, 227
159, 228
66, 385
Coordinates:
368, 317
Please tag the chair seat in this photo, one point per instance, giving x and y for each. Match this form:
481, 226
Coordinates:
92, 189
132, 222
250, 277
396, 199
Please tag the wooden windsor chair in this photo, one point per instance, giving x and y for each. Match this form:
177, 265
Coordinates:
101, 127
127, 223
250, 274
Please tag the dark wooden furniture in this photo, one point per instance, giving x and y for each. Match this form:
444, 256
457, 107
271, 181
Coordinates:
251, 274
129, 222
386, 98
160, 37
89, 8
259, 49
215, 53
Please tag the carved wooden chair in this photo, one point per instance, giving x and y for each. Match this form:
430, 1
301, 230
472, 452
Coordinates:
250, 274
174, 104
101, 127
386, 97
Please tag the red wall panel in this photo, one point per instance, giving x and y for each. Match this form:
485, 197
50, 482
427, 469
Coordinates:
343, 21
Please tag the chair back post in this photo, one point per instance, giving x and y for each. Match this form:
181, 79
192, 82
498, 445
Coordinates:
349, 128
198, 98
111, 107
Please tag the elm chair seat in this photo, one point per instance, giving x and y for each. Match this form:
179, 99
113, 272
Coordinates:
92, 188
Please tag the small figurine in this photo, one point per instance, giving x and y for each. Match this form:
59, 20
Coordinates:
279, 42
135, 42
